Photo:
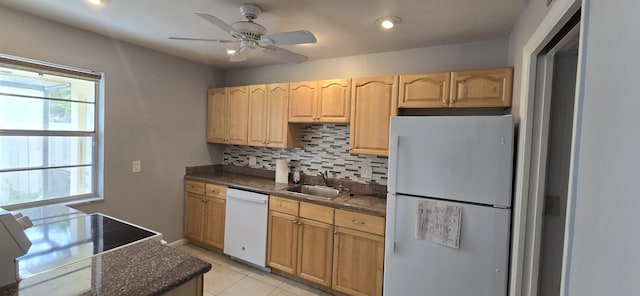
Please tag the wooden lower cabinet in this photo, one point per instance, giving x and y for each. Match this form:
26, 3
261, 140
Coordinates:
193, 215
204, 214
358, 259
338, 249
213, 233
298, 245
315, 251
282, 241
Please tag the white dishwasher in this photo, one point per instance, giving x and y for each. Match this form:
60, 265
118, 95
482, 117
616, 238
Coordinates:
245, 232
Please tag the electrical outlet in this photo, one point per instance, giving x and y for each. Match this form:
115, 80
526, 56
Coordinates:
252, 160
366, 172
136, 166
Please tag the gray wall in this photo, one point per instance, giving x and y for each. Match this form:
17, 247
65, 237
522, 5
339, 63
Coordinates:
528, 21
463, 56
155, 111
606, 230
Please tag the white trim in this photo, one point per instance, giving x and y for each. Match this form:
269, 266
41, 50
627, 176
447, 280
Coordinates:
179, 243
556, 17
575, 152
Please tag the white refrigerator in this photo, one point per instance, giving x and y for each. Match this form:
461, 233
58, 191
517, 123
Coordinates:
460, 168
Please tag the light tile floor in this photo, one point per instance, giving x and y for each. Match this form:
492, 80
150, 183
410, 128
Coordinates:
230, 278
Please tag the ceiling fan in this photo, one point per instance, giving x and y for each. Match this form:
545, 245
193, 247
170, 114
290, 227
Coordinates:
249, 36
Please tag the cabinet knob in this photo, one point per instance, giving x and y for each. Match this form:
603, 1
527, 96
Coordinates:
357, 222
335, 232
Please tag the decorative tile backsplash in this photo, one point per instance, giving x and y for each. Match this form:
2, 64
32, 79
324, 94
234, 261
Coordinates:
325, 147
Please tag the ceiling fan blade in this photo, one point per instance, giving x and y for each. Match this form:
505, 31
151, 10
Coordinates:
202, 39
284, 54
240, 56
293, 37
220, 24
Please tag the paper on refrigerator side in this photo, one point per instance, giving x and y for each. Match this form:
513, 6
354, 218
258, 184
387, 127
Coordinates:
438, 222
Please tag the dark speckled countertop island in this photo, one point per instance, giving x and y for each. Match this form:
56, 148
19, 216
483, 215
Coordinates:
363, 198
144, 268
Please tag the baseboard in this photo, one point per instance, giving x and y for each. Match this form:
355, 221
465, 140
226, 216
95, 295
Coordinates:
178, 243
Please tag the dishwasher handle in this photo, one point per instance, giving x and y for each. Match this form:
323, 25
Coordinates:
249, 199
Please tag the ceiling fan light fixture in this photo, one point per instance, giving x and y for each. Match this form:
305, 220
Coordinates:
388, 22
98, 2
231, 51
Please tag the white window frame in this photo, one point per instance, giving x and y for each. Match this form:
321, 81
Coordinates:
96, 135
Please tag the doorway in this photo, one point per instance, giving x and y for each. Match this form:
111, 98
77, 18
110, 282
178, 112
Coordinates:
551, 151
556, 184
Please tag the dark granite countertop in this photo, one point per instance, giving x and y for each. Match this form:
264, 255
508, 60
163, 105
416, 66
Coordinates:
358, 200
145, 268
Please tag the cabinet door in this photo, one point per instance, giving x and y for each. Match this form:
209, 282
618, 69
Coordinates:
277, 125
357, 262
282, 242
482, 88
424, 90
213, 233
193, 215
237, 115
373, 102
302, 101
334, 100
217, 115
258, 113
315, 251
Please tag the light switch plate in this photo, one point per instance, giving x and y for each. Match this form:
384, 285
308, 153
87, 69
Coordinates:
136, 166
366, 172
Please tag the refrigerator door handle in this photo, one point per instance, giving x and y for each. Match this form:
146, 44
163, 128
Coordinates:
393, 162
392, 205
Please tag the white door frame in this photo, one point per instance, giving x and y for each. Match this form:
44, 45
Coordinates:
528, 201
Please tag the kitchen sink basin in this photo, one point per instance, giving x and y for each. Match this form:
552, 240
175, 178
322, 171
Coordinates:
320, 191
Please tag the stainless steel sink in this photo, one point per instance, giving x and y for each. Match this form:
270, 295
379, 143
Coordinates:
320, 191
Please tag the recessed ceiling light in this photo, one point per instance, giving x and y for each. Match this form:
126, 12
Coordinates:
98, 2
388, 22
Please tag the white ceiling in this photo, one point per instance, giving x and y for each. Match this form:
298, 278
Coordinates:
342, 27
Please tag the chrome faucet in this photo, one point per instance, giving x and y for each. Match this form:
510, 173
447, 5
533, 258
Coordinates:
324, 178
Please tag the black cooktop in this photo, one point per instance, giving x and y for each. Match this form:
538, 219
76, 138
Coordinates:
67, 241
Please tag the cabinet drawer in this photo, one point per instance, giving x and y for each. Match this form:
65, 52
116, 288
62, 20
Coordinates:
194, 186
283, 205
316, 212
216, 191
362, 222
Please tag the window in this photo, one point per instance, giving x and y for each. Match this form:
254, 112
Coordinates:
48, 133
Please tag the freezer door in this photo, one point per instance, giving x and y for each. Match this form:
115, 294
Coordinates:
420, 267
464, 158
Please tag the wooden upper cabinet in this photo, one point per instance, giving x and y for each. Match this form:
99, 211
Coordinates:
217, 115
424, 90
280, 134
302, 99
326, 101
481, 88
268, 124
334, 101
373, 102
258, 113
237, 115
